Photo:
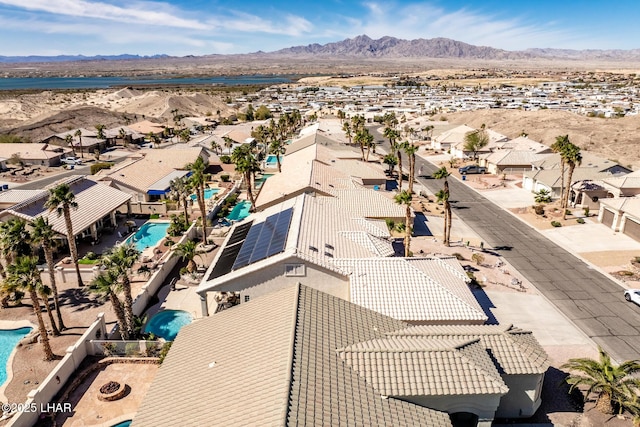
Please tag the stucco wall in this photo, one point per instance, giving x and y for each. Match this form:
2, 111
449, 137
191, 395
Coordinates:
524, 396
482, 405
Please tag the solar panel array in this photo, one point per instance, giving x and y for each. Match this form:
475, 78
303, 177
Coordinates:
230, 252
265, 239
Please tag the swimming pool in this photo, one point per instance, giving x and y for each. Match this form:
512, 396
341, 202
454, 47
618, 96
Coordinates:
123, 424
166, 324
208, 193
148, 235
271, 160
258, 183
240, 211
9, 338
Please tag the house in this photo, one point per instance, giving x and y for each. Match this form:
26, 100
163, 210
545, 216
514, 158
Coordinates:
33, 153
509, 161
621, 214
97, 206
299, 356
146, 127
495, 140
85, 143
447, 139
320, 242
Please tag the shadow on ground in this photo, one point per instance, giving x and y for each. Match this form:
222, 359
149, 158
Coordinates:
486, 304
420, 226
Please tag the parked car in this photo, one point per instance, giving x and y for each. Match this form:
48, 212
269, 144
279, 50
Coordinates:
71, 161
632, 295
472, 169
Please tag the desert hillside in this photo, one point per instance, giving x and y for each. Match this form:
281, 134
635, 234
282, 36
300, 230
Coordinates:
616, 139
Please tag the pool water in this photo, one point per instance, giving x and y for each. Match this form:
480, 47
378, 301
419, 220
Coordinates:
271, 160
148, 235
258, 183
208, 193
166, 324
240, 211
9, 338
123, 424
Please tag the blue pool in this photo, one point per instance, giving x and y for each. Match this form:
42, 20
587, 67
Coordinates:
208, 193
240, 211
148, 235
258, 183
271, 160
123, 424
9, 338
166, 324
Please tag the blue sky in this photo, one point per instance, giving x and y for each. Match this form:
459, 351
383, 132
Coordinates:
199, 27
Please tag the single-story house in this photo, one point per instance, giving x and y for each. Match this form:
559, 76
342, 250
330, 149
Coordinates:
34, 153
450, 138
84, 144
621, 214
495, 139
97, 206
299, 356
509, 161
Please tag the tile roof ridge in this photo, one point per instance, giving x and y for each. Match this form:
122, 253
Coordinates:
291, 355
497, 381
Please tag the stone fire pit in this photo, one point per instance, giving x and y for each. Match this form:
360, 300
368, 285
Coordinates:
112, 391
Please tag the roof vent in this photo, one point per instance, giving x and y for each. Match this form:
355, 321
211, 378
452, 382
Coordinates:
313, 248
212, 364
328, 246
329, 254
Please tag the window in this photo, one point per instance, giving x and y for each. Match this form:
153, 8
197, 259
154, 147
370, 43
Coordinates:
294, 270
247, 298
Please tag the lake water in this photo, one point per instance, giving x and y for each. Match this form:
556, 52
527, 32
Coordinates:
107, 82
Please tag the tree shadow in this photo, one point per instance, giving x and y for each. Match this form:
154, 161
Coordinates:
420, 227
80, 299
502, 248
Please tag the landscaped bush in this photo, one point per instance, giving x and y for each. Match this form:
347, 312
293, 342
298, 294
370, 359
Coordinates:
225, 159
556, 224
96, 167
542, 196
154, 216
538, 209
586, 211
580, 221
568, 212
390, 224
225, 178
178, 225
477, 258
458, 256
91, 255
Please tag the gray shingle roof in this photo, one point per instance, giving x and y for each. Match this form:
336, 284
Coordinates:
276, 364
516, 351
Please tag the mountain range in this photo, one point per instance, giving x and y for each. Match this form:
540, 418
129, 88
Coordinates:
386, 47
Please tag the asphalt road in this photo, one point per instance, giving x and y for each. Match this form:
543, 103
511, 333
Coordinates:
592, 301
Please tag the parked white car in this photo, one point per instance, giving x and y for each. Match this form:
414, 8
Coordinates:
71, 161
632, 295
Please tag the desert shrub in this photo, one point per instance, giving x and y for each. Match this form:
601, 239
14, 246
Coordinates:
542, 196
154, 216
91, 255
625, 273
458, 256
390, 224
225, 159
538, 209
11, 139
586, 211
580, 221
568, 212
556, 224
96, 167
225, 178
165, 350
477, 258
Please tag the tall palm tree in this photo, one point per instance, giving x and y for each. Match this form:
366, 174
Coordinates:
247, 165
558, 147
69, 140
122, 134
198, 180
391, 160
443, 196
62, 200
216, 147
572, 158
404, 198
278, 148
119, 260
399, 147
43, 235
613, 384
24, 275
180, 190
228, 142
346, 127
107, 285
78, 133
100, 129
411, 150
45, 292
14, 239
391, 134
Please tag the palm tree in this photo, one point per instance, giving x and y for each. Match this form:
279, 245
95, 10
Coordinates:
187, 251
62, 200
24, 275
216, 147
392, 135
78, 133
197, 180
107, 285
69, 140
404, 198
180, 190
228, 142
45, 292
43, 235
247, 165
391, 160
14, 239
443, 196
411, 150
613, 385
100, 128
399, 147
278, 148
122, 134
572, 158
346, 127
119, 260
558, 147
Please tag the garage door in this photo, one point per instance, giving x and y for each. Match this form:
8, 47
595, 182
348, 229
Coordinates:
607, 217
632, 229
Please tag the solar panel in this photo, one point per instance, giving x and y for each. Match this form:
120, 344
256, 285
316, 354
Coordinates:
239, 233
265, 239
